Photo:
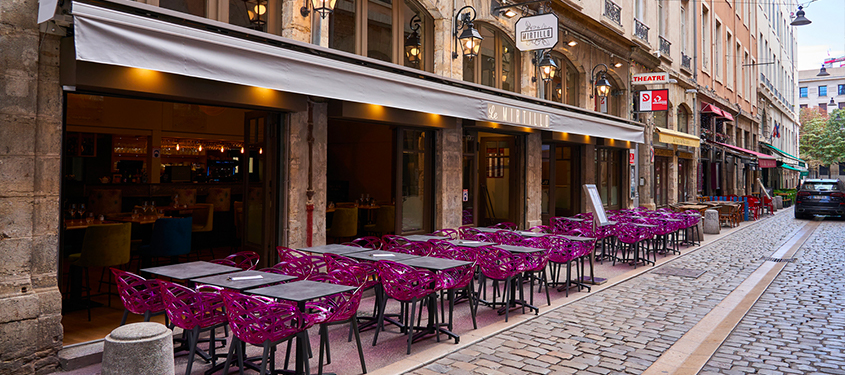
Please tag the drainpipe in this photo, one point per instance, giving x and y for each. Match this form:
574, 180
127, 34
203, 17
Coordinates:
309, 192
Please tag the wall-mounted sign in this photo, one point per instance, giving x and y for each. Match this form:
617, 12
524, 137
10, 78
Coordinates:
156, 153
650, 78
465, 196
653, 100
536, 32
524, 117
632, 157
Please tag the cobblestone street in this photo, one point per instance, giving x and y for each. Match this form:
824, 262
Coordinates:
795, 328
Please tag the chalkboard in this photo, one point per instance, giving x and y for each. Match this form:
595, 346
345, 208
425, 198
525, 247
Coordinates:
599, 216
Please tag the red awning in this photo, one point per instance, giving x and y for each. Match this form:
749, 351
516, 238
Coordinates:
710, 108
727, 115
763, 160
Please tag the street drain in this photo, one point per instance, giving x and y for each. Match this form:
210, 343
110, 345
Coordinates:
779, 260
682, 272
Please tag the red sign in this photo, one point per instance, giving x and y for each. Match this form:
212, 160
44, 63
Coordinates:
631, 157
654, 100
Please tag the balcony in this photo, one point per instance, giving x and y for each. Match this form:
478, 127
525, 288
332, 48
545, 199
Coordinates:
686, 62
613, 12
640, 30
665, 46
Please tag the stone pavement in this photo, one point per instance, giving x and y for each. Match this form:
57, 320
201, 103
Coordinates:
625, 328
798, 325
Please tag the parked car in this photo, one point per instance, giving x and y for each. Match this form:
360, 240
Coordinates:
820, 197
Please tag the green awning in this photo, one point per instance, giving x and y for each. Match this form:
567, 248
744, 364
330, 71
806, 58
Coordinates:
804, 172
779, 151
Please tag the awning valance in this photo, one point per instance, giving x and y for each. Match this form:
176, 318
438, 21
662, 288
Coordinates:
792, 159
677, 138
113, 37
763, 160
802, 171
710, 108
727, 115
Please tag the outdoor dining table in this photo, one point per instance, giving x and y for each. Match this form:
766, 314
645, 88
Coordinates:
300, 292
466, 243
525, 233
434, 264
377, 255
82, 224
488, 229
243, 280
337, 249
190, 270
515, 302
424, 238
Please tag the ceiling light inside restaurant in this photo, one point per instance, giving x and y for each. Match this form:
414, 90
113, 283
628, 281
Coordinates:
572, 43
618, 64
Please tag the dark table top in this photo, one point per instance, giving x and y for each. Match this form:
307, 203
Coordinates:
468, 243
424, 238
300, 291
376, 255
488, 229
190, 270
525, 233
333, 249
578, 238
572, 218
519, 249
645, 225
224, 281
434, 264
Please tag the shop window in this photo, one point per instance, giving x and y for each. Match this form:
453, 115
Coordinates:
608, 176
497, 63
822, 90
683, 120
394, 32
194, 7
564, 86
840, 90
802, 92
251, 14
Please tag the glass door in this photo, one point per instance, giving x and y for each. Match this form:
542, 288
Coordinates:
561, 185
497, 175
413, 214
259, 167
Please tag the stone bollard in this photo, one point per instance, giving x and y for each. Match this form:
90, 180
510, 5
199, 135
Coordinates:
700, 231
711, 222
139, 349
778, 202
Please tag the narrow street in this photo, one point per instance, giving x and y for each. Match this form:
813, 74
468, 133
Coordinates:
795, 327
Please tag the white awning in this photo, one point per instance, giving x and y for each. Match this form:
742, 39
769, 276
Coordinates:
46, 10
112, 37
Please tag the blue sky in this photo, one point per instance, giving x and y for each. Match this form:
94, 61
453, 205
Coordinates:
826, 33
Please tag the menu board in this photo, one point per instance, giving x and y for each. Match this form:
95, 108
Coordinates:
763, 189
599, 216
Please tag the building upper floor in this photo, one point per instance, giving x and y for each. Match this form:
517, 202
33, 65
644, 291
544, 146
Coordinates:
825, 92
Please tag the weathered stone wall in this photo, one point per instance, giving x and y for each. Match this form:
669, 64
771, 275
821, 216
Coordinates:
298, 174
533, 179
448, 179
30, 150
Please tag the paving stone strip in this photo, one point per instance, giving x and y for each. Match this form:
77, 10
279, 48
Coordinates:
625, 328
798, 325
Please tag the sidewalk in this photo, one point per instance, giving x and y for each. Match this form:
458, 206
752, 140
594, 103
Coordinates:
626, 327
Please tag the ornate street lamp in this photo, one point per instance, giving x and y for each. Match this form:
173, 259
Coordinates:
413, 45
548, 68
800, 20
470, 39
599, 81
324, 7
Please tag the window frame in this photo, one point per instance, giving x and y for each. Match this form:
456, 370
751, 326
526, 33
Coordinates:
497, 52
822, 88
803, 92
564, 64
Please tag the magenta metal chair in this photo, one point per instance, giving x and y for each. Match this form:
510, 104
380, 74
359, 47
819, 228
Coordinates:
139, 295
262, 322
245, 260
468, 233
561, 251
456, 279
303, 268
535, 268
407, 285
370, 242
466, 217
486, 237
504, 225
335, 309
540, 229
500, 265
413, 248
195, 311
286, 253
447, 232
365, 273
391, 240
507, 237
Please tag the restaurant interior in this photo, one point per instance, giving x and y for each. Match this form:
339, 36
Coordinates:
132, 161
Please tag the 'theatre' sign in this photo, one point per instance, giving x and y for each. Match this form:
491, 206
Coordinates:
654, 100
650, 78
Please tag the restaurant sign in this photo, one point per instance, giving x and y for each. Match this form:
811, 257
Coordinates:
653, 100
536, 32
650, 78
524, 117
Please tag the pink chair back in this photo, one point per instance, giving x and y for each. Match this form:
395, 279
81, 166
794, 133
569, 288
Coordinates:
391, 240
245, 260
405, 283
499, 264
255, 320
303, 268
370, 242
286, 253
139, 295
504, 225
189, 308
507, 237
350, 271
337, 307
446, 232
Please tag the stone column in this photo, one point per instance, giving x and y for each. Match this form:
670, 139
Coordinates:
674, 179
294, 25
298, 175
588, 172
533, 179
647, 168
30, 178
448, 178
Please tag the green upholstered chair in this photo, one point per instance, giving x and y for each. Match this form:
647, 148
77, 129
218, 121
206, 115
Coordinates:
105, 245
385, 221
344, 223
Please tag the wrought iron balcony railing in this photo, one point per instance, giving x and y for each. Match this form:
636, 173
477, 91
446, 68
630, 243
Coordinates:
640, 30
686, 61
613, 11
665, 46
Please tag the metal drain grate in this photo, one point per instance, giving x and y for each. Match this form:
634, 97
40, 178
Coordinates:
682, 272
779, 260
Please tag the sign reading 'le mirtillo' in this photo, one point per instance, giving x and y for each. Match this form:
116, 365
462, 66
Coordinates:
501, 113
536, 32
